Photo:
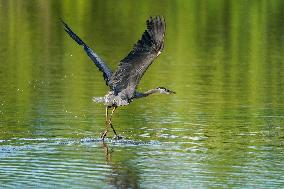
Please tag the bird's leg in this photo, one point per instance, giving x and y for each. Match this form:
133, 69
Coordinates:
116, 136
106, 124
114, 108
106, 115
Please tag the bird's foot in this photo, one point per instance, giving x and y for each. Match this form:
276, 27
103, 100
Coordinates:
104, 135
117, 137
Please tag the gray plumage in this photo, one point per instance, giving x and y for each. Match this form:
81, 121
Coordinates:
123, 82
94, 57
131, 69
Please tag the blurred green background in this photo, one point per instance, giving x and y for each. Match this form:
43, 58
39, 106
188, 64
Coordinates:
223, 128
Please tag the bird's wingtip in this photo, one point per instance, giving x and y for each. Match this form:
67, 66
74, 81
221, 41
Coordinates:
62, 21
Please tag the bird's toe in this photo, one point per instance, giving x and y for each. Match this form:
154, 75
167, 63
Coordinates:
117, 137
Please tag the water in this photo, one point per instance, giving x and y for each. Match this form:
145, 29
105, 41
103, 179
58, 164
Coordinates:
223, 128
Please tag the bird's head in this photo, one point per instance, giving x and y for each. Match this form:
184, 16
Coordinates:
163, 90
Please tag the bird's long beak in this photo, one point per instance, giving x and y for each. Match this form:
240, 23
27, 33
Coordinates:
172, 92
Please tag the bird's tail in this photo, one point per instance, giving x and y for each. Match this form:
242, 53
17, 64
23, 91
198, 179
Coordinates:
99, 99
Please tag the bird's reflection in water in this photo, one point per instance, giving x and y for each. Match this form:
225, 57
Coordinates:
108, 152
123, 173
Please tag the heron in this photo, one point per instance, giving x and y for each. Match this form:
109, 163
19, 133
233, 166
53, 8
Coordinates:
124, 80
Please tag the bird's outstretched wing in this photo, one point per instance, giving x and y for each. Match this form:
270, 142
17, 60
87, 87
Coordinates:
94, 57
131, 69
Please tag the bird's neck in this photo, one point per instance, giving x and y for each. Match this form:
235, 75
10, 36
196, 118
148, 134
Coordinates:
151, 91
147, 93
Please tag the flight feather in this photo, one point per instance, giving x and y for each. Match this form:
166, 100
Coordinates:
131, 69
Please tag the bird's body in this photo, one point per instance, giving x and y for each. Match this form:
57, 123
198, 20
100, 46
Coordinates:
123, 82
111, 100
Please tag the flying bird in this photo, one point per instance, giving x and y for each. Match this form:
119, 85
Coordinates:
124, 80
